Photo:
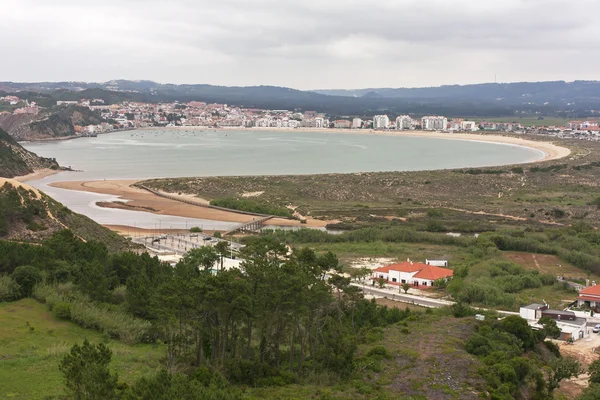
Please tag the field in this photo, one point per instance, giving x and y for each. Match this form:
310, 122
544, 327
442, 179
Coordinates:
33, 341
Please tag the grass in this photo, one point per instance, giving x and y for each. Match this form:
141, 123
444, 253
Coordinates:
33, 341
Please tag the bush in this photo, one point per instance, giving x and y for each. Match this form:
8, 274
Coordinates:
9, 289
196, 229
62, 310
27, 277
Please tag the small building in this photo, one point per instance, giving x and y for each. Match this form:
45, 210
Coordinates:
415, 274
437, 263
571, 327
589, 297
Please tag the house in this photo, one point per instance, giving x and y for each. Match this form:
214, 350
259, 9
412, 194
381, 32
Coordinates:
589, 297
414, 273
571, 327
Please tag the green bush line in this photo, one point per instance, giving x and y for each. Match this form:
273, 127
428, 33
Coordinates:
252, 206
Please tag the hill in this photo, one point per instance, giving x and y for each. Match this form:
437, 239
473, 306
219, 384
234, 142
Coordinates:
16, 161
565, 99
27, 214
57, 122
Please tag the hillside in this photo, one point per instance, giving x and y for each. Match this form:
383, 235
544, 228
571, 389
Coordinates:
56, 123
565, 99
27, 214
16, 161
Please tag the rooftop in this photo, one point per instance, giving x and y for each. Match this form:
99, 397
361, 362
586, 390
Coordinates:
590, 291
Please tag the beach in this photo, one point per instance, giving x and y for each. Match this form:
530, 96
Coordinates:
131, 198
135, 199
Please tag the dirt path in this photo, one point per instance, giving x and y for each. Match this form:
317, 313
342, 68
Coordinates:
513, 217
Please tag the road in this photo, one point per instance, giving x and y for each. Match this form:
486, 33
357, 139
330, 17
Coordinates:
405, 298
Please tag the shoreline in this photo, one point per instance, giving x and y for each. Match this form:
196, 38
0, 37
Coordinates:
550, 150
134, 199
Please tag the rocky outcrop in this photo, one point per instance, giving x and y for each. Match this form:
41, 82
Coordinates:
56, 124
16, 161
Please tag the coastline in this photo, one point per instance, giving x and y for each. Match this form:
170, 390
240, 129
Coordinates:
134, 199
551, 150
37, 175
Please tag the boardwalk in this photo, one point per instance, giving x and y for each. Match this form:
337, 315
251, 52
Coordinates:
251, 226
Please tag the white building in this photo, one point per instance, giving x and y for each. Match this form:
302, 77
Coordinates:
434, 123
469, 126
320, 123
404, 122
357, 123
571, 326
381, 122
415, 274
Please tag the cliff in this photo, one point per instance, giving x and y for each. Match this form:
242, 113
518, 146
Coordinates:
53, 124
16, 161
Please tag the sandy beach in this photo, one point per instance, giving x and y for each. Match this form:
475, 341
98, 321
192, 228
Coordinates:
134, 199
37, 175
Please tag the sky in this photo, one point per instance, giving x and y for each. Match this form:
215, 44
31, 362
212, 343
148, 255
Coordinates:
304, 44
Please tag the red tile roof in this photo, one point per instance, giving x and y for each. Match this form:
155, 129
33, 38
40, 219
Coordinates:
423, 271
592, 290
403, 267
433, 273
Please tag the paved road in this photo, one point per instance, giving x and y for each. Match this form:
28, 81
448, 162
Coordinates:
405, 298
417, 300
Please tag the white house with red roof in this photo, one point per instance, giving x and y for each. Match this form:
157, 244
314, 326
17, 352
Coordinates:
589, 297
414, 273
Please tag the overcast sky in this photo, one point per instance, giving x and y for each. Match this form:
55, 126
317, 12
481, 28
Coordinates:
304, 44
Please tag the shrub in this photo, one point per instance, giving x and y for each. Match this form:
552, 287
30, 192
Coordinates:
27, 277
9, 289
196, 229
62, 310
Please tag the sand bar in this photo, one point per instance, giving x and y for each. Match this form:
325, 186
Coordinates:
135, 199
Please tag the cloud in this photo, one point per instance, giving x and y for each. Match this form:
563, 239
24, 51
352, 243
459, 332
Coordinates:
304, 44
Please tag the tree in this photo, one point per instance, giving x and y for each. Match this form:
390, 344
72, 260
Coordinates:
405, 287
86, 372
594, 371
520, 328
562, 368
222, 249
27, 277
196, 229
591, 393
550, 329
381, 282
204, 257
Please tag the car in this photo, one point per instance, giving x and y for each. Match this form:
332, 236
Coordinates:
207, 238
596, 328
156, 241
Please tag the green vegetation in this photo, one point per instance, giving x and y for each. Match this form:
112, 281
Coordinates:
34, 341
515, 358
252, 206
29, 215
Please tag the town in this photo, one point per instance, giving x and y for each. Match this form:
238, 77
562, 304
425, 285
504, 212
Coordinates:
134, 115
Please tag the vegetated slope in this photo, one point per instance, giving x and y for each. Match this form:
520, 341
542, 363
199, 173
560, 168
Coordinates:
490, 99
55, 123
27, 214
35, 374
16, 161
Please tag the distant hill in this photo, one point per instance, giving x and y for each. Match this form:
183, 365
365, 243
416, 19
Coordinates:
565, 99
54, 123
16, 161
27, 214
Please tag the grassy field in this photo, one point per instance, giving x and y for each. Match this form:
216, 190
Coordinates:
33, 341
